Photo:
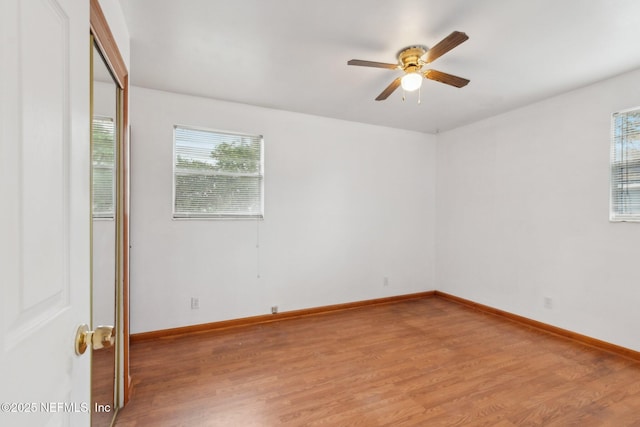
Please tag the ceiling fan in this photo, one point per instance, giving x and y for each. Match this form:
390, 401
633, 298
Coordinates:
412, 59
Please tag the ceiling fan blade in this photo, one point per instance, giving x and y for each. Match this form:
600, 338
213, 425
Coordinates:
389, 90
445, 45
373, 64
445, 78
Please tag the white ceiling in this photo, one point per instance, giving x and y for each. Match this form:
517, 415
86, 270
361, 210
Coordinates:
292, 54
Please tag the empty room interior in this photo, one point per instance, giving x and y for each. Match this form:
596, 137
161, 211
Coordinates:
302, 237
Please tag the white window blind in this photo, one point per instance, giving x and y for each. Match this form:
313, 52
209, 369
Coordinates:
103, 158
625, 166
217, 174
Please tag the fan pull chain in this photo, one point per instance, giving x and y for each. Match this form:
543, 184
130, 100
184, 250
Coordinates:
403, 93
419, 93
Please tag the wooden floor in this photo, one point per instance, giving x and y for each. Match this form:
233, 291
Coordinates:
427, 362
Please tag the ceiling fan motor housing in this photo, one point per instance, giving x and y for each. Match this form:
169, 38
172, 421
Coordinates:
410, 58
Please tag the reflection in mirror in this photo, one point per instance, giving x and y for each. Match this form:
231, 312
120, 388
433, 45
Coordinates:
104, 196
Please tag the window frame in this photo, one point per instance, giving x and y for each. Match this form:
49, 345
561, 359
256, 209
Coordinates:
217, 216
613, 215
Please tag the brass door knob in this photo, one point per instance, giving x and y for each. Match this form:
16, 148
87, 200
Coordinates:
102, 337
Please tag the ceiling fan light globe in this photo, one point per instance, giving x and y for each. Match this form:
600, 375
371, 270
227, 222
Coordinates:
411, 82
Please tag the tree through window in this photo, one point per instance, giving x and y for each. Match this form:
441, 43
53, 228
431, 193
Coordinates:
217, 174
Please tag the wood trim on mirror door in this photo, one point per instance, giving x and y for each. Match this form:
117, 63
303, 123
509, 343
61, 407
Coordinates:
106, 42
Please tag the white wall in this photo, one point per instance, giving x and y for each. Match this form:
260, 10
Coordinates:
523, 215
346, 204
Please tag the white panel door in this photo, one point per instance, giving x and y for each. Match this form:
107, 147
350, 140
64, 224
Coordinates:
44, 211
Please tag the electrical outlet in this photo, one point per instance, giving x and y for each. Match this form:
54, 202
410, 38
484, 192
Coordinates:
274, 309
548, 303
195, 303
385, 281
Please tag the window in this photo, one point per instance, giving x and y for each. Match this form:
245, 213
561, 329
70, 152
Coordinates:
217, 174
103, 159
625, 166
